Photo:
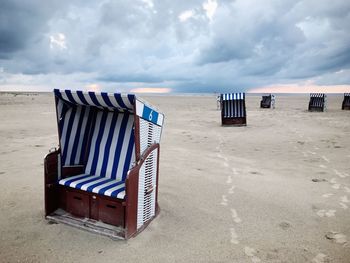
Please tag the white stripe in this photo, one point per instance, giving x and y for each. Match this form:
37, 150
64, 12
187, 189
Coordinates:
109, 191
101, 100
126, 102
93, 142
73, 135
81, 135
104, 138
74, 184
64, 95
77, 99
113, 146
88, 99
98, 188
85, 186
121, 195
114, 101
124, 148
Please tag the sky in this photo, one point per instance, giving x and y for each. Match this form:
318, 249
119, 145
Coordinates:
175, 46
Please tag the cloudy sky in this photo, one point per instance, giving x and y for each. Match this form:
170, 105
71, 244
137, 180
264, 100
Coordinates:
177, 46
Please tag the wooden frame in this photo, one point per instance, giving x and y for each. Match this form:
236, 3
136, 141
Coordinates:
346, 102
85, 205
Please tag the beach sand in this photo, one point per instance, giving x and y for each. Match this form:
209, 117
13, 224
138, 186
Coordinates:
227, 194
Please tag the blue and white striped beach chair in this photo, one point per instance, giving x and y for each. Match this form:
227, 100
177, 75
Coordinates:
317, 102
233, 111
106, 166
346, 102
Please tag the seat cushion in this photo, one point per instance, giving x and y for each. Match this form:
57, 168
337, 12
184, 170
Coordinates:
96, 184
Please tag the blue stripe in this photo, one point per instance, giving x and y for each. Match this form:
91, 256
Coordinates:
89, 124
106, 99
68, 182
120, 101
82, 97
57, 93
93, 98
88, 180
77, 137
104, 189
108, 145
67, 135
98, 143
119, 145
131, 98
70, 97
128, 155
116, 192
91, 187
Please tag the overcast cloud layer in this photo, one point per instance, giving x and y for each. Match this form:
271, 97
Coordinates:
188, 46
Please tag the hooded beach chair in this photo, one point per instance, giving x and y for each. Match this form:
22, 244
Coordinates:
233, 111
267, 101
346, 102
104, 175
317, 102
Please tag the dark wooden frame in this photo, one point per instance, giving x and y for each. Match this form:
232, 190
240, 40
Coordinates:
233, 121
345, 106
58, 196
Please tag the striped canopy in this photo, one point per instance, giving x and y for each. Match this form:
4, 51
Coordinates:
233, 96
317, 95
102, 99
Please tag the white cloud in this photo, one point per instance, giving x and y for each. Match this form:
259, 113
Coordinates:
210, 8
58, 41
184, 16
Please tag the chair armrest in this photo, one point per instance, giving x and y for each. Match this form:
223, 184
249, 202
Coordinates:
51, 166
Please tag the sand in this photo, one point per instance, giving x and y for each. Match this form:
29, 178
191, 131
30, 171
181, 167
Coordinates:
277, 190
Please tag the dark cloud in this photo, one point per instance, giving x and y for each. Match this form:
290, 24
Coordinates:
175, 43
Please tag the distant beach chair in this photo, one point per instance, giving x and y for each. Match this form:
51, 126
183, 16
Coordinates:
233, 110
317, 102
346, 102
104, 175
267, 101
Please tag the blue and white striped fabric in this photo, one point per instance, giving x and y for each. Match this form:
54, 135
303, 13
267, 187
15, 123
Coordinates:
233, 105
317, 100
233, 96
110, 157
100, 100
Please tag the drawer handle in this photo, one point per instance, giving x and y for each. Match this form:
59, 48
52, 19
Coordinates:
112, 206
150, 189
77, 198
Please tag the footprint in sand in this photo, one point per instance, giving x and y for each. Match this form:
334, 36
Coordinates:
344, 199
229, 179
224, 200
234, 236
235, 216
325, 158
313, 153
344, 206
339, 173
336, 237
323, 166
336, 186
320, 258
327, 195
316, 148
231, 190
347, 189
251, 252
234, 171
325, 213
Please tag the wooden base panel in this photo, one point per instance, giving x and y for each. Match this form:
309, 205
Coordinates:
97, 227
241, 121
346, 107
316, 109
